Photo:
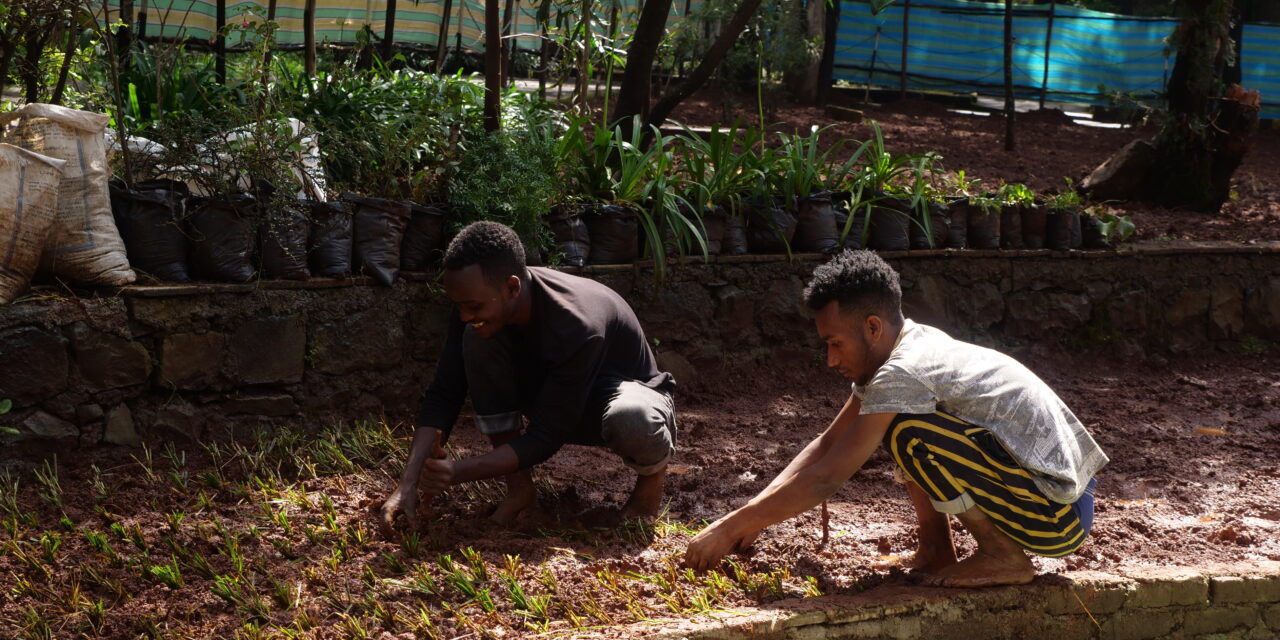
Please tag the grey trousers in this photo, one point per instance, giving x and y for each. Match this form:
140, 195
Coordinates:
628, 418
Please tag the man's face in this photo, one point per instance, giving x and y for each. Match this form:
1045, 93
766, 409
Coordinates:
851, 341
482, 304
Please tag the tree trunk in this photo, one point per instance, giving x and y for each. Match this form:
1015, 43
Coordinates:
1204, 138
492, 65
1048, 45
389, 32
442, 38
309, 38
508, 17
6, 54
906, 31
33, 46
73, 43
816, 28
710, 61
220, 43
826, 70
124, 36
271, 17
633, 96
1009, 111
1234, 73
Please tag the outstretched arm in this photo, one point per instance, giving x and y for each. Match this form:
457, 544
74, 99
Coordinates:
796, 490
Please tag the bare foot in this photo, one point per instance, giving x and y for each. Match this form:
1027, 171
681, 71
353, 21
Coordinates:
517, 501
646, 497
931, 559
984, 570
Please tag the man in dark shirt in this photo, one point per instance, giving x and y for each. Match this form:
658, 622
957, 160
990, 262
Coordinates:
566, 352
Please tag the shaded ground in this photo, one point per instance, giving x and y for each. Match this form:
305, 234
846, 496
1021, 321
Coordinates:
1050, 147
276, 538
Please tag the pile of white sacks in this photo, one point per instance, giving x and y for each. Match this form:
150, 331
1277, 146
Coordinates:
55, 204
55, 208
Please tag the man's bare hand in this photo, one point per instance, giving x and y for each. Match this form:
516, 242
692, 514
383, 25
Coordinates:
715, 542
403, 502
437, 475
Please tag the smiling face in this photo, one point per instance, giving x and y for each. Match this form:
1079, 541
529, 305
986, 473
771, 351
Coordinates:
857, 343
484, 305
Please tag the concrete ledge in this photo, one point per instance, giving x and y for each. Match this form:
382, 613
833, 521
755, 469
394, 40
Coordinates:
1131, 604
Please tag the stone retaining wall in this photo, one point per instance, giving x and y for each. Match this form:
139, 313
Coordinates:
1219, 602
197, 361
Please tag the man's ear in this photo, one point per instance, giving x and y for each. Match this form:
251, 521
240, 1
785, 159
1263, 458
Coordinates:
512, 287
873, 328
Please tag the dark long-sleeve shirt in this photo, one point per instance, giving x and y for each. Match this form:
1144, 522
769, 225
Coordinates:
578, 332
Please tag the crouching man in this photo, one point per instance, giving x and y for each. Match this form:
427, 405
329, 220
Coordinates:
976, 434
565, 352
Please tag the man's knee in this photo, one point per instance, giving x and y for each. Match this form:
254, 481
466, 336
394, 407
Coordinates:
639, 425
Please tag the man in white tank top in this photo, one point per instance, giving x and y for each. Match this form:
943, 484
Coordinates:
974, 434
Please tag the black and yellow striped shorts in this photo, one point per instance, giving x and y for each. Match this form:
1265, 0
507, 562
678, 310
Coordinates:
961, 466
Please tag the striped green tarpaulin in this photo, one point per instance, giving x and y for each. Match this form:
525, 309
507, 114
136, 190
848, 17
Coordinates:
340, 21
957, 46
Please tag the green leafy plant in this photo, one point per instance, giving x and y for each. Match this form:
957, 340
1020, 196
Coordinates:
510, 178
718, 168
1016, 194
1065, 200
802, 168
1114, 228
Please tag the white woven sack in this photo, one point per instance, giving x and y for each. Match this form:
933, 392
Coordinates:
28, 206
84, 246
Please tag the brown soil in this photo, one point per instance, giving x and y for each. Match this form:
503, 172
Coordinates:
1194, 479
1050, 147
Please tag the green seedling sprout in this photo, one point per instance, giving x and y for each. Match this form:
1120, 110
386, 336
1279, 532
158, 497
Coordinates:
811, 588
313, 533
285, 547
199, 565
49, 544
284, 595
169, 573
100, 489
394, 564
516, 593
135, 535
353, 626
423, 582
575, 621
592, 607
358, 533
174, 520
147, 463
95, 577
98, 541
47, 477
478, 569
211, 479
95, 611
411, 542
35, 625
368, 577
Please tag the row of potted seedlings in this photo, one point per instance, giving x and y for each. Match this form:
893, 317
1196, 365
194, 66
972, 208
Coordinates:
177, 237
687, 194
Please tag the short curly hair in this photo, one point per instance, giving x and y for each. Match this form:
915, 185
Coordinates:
494, 246
857, 280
